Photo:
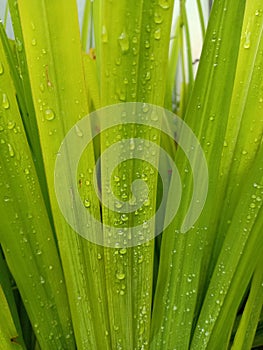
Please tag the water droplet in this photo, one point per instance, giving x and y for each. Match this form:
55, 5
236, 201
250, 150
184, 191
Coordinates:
124, 42
157, 34
78, 131
148, 75
154, 116
148, 28
147, 44
145, 107
147, 202
19, 45
124, 217
49, 114
247, 40
5, 101
6, 199
164, 4
26, 171
1, 68
123, 251
118, 61
104, 34
132, 144
11, 124
120, 275
158, 18
42, 280
145, 224
42, 87
33, 26
118, 205
252, 205
34, 42
87, 203
10, 150
116, 178
141, 330
99, 256
122, 96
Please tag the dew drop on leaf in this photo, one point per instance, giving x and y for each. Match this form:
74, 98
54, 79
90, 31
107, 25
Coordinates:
145, 107
10, 150
147, 44
247, 41
124, 42
158, 18
19, 45
148, 75
5, 101
87, 203
120, 275
49, 114
132, 144
78, 131
164, 4
11, 124
157, 34
104, 34
1, 68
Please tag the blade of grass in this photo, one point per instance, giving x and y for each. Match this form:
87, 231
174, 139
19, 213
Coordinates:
188, 47
201, 16
91, 80
250, 317
87, 26
59, 105
178, 285
134, 53
8, 333
245, 124
170, 100
22, 84
26, 235
239, 256
9, 295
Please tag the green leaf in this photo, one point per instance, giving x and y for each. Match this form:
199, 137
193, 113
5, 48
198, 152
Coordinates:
26, 236
180, 284
250, 316
60, 100
133, 50
8, 333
